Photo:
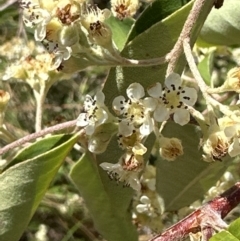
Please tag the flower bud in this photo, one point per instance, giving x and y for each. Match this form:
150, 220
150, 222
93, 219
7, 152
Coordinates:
101, 137
170, 148
232, 83
68, 35
216, 146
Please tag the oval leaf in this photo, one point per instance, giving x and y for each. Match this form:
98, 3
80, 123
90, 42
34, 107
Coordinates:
183, 181
107, 203
23, 185
222, 26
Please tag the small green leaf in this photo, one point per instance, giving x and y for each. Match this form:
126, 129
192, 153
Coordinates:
154, 13
223, 236
107, 202
23, 184
222, 26
120, 30
38, 148
205, 67
186, 179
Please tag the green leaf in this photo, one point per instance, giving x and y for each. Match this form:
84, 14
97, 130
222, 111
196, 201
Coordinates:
222, 26
205, 67
120, 30
38, 148
107, 202
154, 13
224, 236
234, 228
24, 183
186, 179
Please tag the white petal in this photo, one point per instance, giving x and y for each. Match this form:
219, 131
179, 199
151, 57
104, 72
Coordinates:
147, 127
181, 116
191, 93
90, 129
144, 199
92, 145
40, 32
151, 184
82, 120
66, 53
135, 91
139, 149
135, 184
141, 208
173, 79
161, 113
102, 116
234, 148
110, 166
100, 98
118, 103
155, 91
150, 103
230, 131
125, 128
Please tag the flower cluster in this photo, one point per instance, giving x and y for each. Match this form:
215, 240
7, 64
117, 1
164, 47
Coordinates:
73, 28
138, 116
33, 67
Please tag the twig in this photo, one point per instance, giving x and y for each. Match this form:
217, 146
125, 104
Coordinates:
36, 135
205, 218
203, 87
192, 18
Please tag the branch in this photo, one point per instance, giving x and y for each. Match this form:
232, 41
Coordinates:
192, 18
36, 135
205, 218
203, 87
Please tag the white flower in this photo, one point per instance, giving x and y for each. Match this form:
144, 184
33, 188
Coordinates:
216, 146
126, 170
93, 22
34, 16
173, 99
95, 113
135, 111
233, 133
124, 8
146, 206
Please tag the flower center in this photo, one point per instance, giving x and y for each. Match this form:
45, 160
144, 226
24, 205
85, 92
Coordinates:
135, 112
171, 97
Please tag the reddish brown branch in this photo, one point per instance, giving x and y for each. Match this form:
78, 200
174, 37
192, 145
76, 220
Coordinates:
204, 219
